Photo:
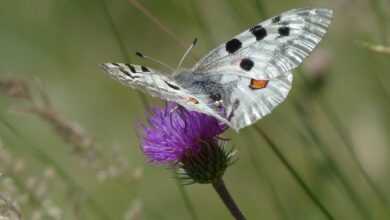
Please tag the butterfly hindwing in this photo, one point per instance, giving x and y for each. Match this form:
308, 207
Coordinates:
252, 99
241, 101
270, 48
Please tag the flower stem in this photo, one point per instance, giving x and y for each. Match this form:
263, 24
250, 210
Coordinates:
224, 194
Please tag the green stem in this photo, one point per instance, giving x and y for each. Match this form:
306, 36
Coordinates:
220, 188
187, 202
294, 173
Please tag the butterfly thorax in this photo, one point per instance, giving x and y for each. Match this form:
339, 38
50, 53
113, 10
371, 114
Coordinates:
208, 86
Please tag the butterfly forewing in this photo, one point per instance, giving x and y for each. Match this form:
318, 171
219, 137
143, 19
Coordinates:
136, 76
162, 86
270, 48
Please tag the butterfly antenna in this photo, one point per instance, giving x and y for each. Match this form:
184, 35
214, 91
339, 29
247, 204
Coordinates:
154, 60
186, 53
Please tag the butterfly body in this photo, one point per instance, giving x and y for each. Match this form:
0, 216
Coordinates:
243, 79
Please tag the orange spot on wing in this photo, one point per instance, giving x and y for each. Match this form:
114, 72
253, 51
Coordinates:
258, 84
193, 100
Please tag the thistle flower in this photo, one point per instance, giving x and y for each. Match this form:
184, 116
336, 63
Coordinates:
188, 142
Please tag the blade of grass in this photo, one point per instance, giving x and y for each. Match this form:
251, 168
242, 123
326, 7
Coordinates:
261, 8
199, 17
294, 173
122, 47
187, 202
331, 116
46, 159
349, 189
381, 15
263, 176
157, 22
379, 76
379, 10
345, 137
375, 47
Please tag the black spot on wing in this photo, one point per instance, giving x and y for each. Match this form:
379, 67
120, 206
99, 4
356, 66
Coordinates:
172, 86
246, 64
127, 73
132, 69
233, 45
276, 19
259, 32
144, 69
284, 31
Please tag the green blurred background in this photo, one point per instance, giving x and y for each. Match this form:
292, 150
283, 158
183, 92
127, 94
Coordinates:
333, 126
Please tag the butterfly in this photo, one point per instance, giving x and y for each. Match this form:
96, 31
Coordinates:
243, 79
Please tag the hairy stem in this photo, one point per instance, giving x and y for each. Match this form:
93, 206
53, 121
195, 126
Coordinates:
227, 199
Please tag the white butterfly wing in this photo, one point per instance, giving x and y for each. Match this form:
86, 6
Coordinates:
144, 78
159, 85
240, 101
245, 78
271, 48
249, 104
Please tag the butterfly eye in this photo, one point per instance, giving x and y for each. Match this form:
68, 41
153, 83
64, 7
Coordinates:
216, 97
